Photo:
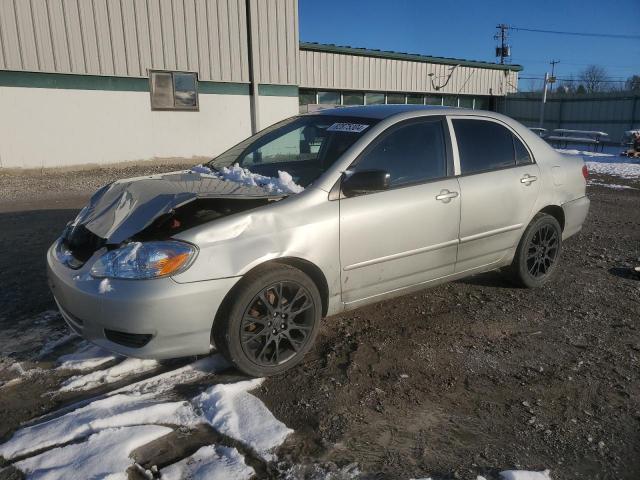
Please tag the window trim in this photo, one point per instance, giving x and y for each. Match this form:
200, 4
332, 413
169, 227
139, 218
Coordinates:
454, 139
449, 166
195, 108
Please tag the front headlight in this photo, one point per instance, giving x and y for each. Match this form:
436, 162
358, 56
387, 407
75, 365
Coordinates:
145, 260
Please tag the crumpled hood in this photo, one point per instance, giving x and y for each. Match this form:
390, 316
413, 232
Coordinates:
125, 207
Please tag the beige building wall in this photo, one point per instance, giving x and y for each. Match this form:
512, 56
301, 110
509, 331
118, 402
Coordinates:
337, 71
125, 38
59, 127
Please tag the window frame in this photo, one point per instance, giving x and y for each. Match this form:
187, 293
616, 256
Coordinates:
182, 108
448, 151
454, 140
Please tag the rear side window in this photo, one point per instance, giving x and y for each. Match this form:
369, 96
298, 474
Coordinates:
410, 153
483, 145
522, 154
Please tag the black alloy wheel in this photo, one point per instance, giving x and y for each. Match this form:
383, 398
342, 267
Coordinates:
542, 251
536, 258
269, 320
277, 323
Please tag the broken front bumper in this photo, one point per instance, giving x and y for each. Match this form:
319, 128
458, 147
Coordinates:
157, 318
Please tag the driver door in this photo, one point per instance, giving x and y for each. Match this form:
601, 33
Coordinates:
408, 234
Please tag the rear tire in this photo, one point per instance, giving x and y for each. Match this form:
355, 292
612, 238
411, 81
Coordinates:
537, 255
270, 320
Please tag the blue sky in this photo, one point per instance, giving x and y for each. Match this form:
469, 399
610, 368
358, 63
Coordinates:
465, 29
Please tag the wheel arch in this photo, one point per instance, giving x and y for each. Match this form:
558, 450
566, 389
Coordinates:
556, 212
308, 268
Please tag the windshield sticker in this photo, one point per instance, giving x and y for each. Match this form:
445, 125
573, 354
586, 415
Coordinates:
347, 127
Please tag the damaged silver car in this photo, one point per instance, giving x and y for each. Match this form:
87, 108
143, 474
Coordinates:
313, 216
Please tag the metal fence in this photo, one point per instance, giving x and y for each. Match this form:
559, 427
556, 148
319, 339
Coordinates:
612, 113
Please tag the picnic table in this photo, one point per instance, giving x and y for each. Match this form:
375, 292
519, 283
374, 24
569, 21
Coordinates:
562, 137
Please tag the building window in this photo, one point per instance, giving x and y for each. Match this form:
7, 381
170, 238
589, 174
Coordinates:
353, 98
415, 99
173, 90
307, 97
329, 98
450, 101
466, 102
482, 103
433, 100
396, 98
374, 98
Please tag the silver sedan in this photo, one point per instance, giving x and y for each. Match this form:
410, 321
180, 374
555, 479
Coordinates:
318, 214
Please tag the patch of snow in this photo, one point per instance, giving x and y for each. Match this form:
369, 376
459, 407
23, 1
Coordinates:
525, 475
110, 412
210, 463
611, 185
129, 366
160, 384
103, 455
282, 184
105, 286
86, 357
51, 345
233, 411
607, 164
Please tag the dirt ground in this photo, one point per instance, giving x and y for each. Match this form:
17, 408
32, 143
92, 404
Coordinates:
464, 379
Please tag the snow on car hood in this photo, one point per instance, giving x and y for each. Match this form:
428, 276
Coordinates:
125, 207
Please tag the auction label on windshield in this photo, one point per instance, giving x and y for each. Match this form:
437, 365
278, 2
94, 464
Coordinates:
347, 127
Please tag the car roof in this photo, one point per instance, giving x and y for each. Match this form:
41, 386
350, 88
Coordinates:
384, 111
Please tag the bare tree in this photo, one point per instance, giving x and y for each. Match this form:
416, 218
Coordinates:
633, 83
594, 78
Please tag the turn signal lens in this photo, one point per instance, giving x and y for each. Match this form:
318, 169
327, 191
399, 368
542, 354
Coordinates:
585, 172
138, 260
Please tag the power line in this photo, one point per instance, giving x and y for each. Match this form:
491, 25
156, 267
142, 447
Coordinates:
578, 34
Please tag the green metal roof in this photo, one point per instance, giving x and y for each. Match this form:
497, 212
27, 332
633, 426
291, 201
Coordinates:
322, 47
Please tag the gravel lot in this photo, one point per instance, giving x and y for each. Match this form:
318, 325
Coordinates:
465, 379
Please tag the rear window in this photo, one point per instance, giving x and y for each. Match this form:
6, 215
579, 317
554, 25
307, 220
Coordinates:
483, 145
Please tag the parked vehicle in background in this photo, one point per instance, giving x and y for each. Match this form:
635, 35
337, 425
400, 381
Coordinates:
318, 214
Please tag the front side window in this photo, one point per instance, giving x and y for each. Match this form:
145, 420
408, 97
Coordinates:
410, 153
173, 90
305, 146
483, 145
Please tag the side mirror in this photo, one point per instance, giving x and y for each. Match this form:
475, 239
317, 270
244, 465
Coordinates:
366, 181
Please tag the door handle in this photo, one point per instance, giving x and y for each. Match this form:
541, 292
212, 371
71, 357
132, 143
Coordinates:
528, 179
445, 196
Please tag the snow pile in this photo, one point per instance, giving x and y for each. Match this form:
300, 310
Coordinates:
103, 433
86, 357
211, 463
607, 164
233, 411
524, 475
283, 184
163, 383
130, 366
110, 412
99, 457
51, 345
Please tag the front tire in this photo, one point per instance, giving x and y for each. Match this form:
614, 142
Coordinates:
270, 321
538, 252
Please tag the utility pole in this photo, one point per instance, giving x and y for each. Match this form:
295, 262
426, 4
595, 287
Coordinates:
552, 79
503, 50
544, 99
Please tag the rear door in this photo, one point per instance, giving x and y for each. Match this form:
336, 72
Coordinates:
408, 234
499, 185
